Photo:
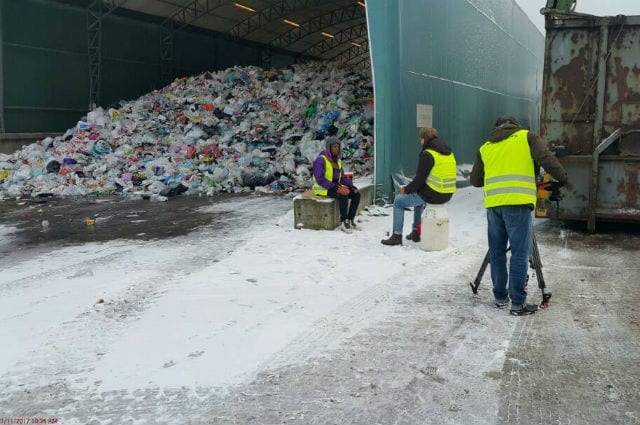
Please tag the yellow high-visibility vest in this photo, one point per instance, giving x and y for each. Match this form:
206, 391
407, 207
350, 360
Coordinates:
509, 176
328, 174
442, 177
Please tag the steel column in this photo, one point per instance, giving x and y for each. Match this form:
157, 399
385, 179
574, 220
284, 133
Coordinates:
2, 128
266, 56
96, 12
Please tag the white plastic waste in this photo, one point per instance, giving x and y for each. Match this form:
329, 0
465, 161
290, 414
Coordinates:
206, 131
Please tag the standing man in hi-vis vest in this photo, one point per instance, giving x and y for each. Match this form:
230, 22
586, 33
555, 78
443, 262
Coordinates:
507, 166
434, 183
329, 180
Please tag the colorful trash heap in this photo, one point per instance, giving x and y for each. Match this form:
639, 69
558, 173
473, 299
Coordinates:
237, 130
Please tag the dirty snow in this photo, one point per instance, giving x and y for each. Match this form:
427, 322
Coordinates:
179, 330
207, 312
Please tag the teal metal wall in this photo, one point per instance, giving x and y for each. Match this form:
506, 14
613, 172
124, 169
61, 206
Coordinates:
471, 60
45, 71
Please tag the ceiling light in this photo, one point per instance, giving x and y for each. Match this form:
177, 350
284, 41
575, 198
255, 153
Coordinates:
356, 44
242, 6
293, 24
361, 3
326, 34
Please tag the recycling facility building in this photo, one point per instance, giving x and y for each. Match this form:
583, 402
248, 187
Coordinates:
454, 65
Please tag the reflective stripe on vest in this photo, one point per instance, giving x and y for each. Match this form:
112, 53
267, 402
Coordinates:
328, 174
509, 177
442, 177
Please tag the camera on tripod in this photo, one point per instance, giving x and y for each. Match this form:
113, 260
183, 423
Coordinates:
552, 188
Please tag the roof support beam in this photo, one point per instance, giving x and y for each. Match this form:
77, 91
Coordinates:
357, 34
351, 53
318, 24
364, 62
279, 10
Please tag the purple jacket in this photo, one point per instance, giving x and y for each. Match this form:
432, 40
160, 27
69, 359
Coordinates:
319, 169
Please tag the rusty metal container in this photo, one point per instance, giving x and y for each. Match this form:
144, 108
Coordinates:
590, 114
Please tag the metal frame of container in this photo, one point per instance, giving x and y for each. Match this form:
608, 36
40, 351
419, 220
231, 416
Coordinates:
590, 114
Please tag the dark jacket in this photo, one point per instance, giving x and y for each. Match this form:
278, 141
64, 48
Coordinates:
542, 156
425, 164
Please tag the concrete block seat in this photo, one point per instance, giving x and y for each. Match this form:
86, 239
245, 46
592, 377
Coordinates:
322, 213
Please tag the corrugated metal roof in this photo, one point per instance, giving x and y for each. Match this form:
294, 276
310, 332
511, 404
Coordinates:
325, 29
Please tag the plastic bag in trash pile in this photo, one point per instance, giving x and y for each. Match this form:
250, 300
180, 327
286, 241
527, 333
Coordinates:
229, 131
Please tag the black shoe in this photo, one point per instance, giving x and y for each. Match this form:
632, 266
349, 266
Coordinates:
524, 310
353, 225
414, 236
501, 304
345, 227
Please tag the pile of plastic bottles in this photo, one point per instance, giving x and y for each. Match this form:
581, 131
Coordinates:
236, 130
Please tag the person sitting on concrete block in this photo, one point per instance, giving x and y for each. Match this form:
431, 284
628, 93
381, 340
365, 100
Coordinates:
329, 180
434, 183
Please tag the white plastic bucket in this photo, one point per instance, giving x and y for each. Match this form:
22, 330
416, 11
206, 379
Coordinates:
435, 228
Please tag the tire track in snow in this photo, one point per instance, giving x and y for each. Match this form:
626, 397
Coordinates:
577, 363
358, 312
409, 363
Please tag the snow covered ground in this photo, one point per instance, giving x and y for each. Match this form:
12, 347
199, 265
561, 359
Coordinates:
192, 329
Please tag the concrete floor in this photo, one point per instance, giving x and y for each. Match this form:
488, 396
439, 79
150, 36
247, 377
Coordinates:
114, 218
577, 362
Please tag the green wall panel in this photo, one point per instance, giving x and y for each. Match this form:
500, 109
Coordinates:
45, 78
130, 63
33, 120
45, 24
126, 80
471, 60
125, 38
204, 53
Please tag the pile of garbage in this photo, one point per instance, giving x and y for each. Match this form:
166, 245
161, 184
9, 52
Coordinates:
237, 130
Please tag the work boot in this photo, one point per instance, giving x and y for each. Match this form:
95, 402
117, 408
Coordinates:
414, 236
393, 240
524, 310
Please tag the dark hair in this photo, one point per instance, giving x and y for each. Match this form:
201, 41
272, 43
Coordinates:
503, 119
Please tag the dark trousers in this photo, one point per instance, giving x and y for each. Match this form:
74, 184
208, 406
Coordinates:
344, 201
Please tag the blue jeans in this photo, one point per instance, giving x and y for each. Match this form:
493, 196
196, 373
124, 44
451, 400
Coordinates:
403, 201
509, 225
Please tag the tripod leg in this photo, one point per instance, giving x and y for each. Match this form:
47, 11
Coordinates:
474, 285
536, 264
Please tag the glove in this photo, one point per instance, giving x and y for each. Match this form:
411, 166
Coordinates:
343, 190
551, 185
544, 185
